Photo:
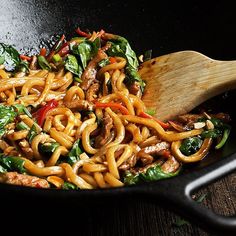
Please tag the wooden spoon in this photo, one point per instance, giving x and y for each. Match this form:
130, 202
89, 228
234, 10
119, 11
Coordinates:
178, 82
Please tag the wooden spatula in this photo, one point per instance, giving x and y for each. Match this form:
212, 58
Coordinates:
178, 82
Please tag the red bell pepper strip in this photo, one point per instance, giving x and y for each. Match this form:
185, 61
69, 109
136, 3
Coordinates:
24, 57
122, 109
41, 113
82, 33
112, 60
43, 52
145, 115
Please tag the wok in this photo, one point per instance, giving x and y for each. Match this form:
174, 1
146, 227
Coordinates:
164, 27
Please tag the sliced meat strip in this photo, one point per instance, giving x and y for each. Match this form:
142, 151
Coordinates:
146, 154
102, 139
89, 74
23, 180
91, 93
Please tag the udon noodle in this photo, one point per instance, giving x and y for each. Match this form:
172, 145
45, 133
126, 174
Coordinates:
78, 120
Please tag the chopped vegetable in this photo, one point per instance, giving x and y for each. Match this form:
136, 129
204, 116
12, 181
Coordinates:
21, 126
7, 115
41, 113
43, 52
190, 145
151, 112
48, 147
56, 58
32, 133
73, 155
25, 58
152, 174
19, 108
68, 186
11, 163
82, 33
104, 62
120, 47
71, 64
43, 63
224, 139
86, 50
9, 56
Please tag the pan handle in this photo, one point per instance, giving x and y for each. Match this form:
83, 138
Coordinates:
177, 192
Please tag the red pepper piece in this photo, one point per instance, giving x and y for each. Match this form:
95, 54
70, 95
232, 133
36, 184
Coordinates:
41, 113
145, 115
24, 57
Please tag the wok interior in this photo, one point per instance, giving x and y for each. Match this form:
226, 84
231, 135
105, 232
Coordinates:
164, 29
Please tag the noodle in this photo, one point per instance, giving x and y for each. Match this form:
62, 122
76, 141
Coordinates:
80, 122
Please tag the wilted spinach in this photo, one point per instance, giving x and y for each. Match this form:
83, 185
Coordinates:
152, 174
71, 64
11, 163
190, 145
74, 153
7, 115
9, 56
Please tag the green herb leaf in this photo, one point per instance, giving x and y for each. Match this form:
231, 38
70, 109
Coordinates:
9, 56
156, 173
190, 145
43, 63
73, 155
68, 186
32, 133
71, 64
23, 66
11, 163
151, 112
21, 109
224, 139
130, 179
48, 147
21, 126
215, 133
7, 115
104, 62
86, 50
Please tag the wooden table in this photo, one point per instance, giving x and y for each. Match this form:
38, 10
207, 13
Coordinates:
139, 218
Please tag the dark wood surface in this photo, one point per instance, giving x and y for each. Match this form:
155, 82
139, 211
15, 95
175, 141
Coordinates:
144, 218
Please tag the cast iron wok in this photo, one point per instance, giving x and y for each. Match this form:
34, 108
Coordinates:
164, 27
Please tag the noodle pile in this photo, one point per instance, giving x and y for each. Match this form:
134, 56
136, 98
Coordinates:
90, 131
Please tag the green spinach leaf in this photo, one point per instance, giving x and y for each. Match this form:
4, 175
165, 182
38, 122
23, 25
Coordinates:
86, 50
9, 56
71, 64
32, 133
73, 155
11, 163
190, 145
48, 147
68, 186
7, 115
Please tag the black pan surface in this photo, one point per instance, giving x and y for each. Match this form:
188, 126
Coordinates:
164, 27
